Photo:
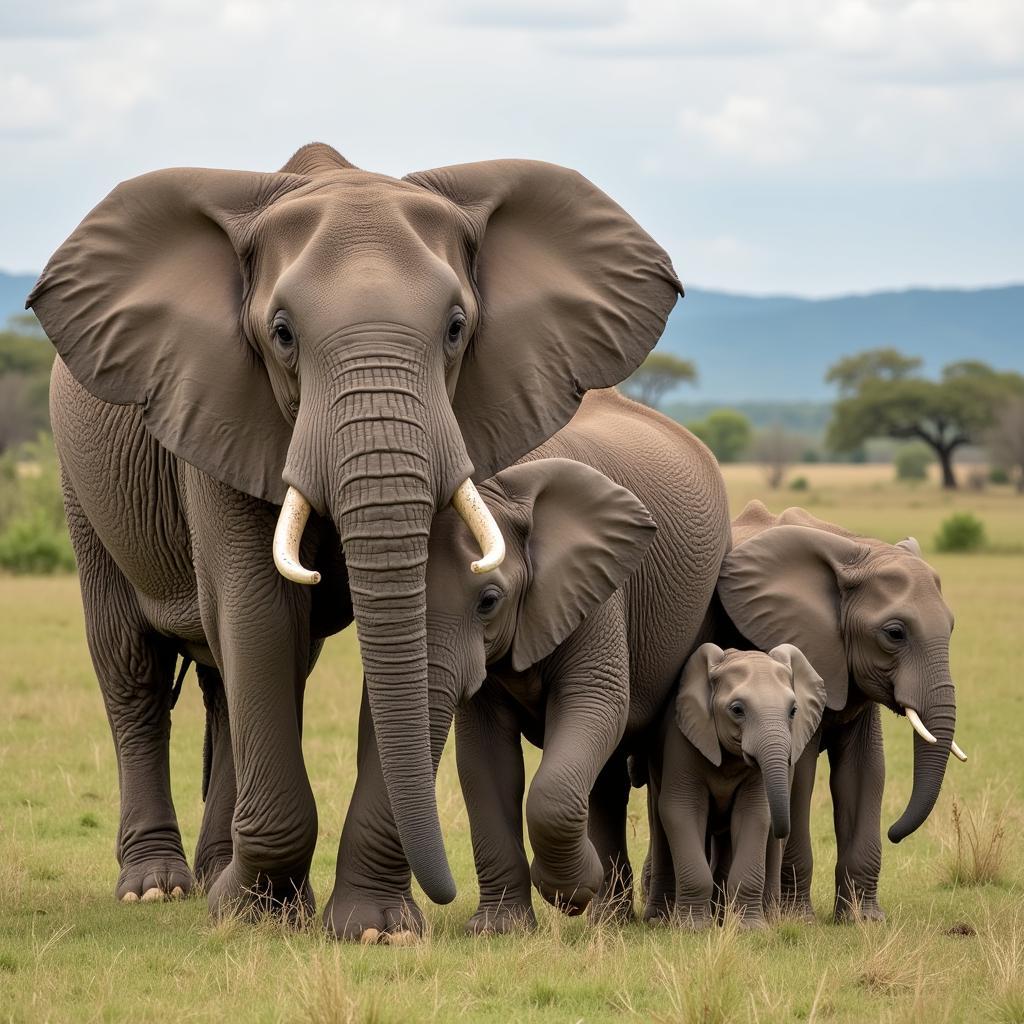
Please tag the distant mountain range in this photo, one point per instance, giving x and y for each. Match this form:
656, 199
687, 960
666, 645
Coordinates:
777, 348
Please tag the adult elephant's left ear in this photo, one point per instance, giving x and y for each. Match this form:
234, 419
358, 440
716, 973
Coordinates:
574, 294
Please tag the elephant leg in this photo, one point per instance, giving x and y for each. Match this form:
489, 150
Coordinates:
372, 898
660, 888
773, 876
135, 669
749, 826
257, 626
609, 800
584, 721
857, 779
797, 855
684, 815
488, 747
213, 849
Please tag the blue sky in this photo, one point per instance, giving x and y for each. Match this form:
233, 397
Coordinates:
803, 146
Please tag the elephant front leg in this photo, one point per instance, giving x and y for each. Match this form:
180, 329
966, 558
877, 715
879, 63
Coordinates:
488, 747
683, 809
135, 670
213, 849
857, 779
797, 855
609, 801
749, 826
372, 899
587, 682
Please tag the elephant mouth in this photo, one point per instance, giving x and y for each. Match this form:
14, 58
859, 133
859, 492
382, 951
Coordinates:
919, 727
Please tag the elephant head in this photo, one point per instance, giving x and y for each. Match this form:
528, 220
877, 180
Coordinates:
324, 336
761, 707
573, 537
862, 611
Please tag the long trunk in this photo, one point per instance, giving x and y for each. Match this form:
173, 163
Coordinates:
773, 759
939, 715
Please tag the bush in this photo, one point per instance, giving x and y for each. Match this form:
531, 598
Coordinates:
998, 475
35, 546
912, 462
961, 532
799, 483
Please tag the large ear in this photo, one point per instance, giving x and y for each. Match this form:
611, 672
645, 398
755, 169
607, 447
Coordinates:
142, 303
693, 702
573, 293
910, 544
586, 535
810, 695
783, 586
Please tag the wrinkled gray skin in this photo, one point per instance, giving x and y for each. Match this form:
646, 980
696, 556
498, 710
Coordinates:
189, 276
872, 621
720, 779
546, 647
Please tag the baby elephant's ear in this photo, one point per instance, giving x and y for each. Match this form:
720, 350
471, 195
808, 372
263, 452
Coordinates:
810, 695
910, 544
693, 702
586, 535
574, 294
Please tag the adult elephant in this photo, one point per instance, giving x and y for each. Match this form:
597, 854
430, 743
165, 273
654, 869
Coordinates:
238, 349
872, 621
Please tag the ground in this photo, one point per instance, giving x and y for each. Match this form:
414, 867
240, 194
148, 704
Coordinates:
951, 950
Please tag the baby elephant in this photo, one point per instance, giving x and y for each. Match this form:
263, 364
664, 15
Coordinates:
739, 722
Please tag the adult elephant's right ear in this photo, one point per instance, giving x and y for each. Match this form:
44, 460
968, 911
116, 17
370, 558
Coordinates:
142, 303
784, 586
573, 294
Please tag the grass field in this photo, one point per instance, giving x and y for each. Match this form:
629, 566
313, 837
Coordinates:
951, 950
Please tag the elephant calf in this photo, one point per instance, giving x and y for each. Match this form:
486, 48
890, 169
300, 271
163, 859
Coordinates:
576, 642
720, 779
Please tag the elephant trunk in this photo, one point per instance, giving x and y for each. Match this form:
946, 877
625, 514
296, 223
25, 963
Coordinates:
938, 715
772, 755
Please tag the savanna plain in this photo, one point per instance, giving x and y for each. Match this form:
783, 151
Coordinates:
952, 948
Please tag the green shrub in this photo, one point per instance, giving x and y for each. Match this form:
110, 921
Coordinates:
34, 545
960, 532
912, 462
998, 475
800, 483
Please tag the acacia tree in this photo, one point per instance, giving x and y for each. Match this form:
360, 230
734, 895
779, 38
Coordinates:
656, 376
883, 395
1006, 440
726, 432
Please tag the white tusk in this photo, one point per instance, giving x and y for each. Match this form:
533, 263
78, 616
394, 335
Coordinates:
287, 536
477, 516
957, 752
915, 720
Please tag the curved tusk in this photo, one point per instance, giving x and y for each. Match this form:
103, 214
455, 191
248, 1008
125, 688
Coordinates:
957, 752
287, 536
915, 720
477, 516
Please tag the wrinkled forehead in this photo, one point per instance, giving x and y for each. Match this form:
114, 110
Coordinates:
902, 580
750, 668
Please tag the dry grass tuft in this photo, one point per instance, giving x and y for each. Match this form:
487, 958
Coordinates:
893, 961
974, 850
1002, 944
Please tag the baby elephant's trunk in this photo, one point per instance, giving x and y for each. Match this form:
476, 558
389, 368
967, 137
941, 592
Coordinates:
773, 758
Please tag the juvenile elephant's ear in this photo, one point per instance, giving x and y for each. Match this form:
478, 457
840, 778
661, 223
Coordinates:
142, 303
573, 294
910, 544
693, 702
783, 586
810, 695
586, 536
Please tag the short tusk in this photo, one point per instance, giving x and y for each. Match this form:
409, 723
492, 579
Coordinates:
477, 516
957, 752
915, 720
287, 537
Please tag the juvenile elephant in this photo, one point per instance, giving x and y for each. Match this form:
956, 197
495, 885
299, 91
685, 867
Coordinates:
871, 619
579, 653
720, 778
238, 349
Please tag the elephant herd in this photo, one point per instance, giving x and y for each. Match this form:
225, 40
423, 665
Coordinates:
274, 397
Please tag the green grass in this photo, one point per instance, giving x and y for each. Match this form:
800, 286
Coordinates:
953, 948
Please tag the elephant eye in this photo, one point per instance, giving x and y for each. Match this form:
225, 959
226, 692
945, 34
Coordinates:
736, 709
792, 711
895, 631
489, 600
284, 336
453, 336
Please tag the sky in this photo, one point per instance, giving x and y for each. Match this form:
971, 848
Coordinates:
812, 147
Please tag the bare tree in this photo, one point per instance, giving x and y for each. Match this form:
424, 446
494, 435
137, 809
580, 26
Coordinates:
777, 449
1006, 440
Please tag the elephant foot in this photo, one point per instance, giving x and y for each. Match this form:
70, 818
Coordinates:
508, 917
251, 895
751, 918
154, 879
368, 918
573, 894
613, 908
693, 919
796, 908
659, 909
209, 863
848, 909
